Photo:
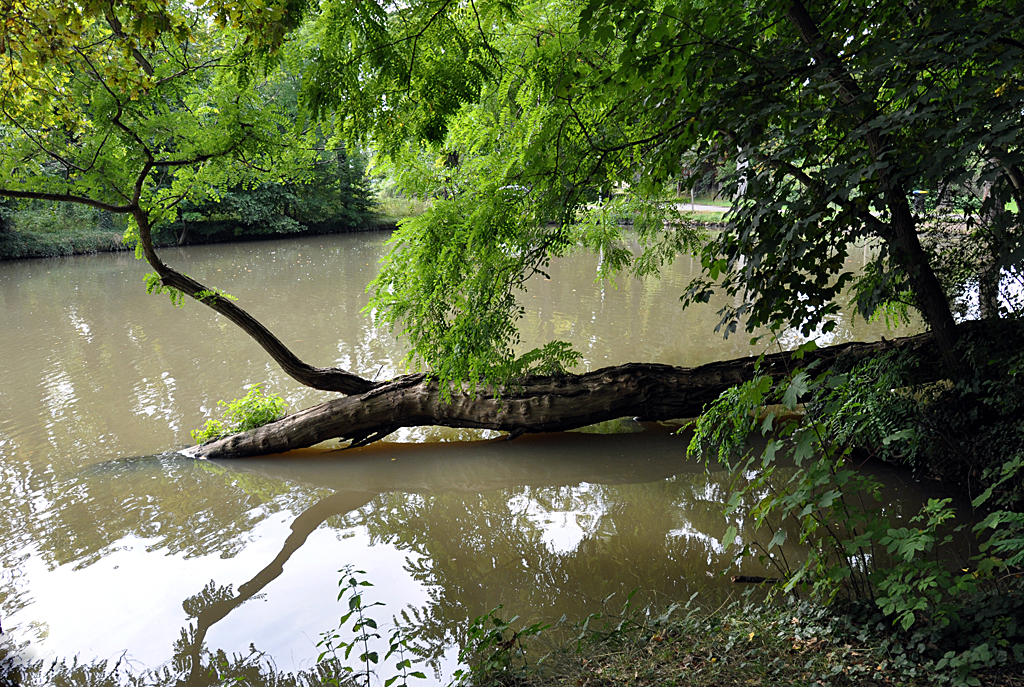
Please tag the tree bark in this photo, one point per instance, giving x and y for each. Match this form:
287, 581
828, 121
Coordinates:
988, 264
531, 404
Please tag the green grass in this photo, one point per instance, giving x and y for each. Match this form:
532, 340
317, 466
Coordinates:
709, 200
705, 217
744, 644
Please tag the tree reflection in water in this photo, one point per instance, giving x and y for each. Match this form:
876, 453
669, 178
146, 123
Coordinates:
478, 526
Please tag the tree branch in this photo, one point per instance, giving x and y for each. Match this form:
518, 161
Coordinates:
67, 198
115, 26
532, 404
323, 378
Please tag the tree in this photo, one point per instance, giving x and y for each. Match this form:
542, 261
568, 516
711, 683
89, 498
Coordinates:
522, 121
133, 110
832, 117
336, 196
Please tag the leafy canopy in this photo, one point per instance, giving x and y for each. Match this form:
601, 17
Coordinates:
536, 126
140, 105
823, 120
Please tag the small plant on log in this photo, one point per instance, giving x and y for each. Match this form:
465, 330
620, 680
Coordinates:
253, 410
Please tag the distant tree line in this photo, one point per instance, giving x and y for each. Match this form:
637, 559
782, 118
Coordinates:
335, 196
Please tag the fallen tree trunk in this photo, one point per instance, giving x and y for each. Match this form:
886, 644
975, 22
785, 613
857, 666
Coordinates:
531, 404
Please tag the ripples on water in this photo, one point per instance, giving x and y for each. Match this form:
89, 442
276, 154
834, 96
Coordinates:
105, 552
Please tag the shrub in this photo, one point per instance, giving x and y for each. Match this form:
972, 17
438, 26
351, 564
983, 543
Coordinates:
970, 429
254, 410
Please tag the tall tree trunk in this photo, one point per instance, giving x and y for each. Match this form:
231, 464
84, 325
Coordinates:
901, 232
532, 404
988, 289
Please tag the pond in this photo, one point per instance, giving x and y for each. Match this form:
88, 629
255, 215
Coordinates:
114, 547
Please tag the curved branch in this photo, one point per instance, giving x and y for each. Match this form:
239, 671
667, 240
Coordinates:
67, 198
323, 378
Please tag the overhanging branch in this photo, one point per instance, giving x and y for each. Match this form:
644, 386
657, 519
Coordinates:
67, 198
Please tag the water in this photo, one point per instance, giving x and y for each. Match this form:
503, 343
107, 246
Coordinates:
108, 538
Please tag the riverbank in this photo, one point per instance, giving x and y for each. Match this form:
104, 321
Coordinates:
83, 239
743, 644
17, 245
750, 643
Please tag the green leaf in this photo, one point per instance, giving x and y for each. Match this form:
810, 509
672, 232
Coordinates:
729, 538
798, 386
778, 539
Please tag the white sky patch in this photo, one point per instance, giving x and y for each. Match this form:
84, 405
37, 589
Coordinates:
130, 601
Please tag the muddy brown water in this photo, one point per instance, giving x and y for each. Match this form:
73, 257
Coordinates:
108, 538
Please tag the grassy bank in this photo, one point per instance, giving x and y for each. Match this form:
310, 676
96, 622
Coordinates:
83, 237
746, 643
751, 643
16, 244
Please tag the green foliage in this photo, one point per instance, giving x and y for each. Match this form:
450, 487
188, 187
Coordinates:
75, 241
460, 314
915, 586
131, 117
824, 499
155, 285
213, 293
333, 195
41, 229
820, 136
880, 295
364, 629
809, 173
966, 432
397, 208
789, 642
253, 410
494, 651
854, 550
399, 72
6, 213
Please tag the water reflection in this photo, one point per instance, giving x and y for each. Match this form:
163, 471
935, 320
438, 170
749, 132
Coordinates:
445, 532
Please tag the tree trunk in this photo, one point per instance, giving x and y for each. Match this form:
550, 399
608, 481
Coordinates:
532, 404
988, 264
901, 232
372, 410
